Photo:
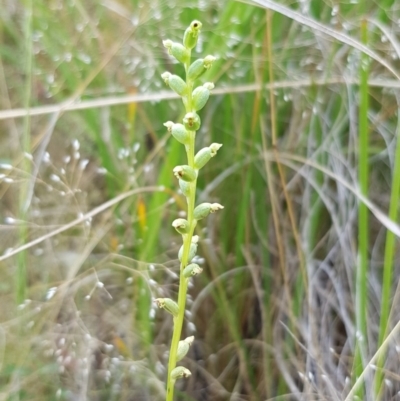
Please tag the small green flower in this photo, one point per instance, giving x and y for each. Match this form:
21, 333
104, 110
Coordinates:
177, 50
199, 67
181, 225
192, 250
205, 154
201, 94
192, 270
169, 305
191, 121
179, 132
192, 34
185, 188
185, 173
204, 209
176, 83
180, 373
183, 348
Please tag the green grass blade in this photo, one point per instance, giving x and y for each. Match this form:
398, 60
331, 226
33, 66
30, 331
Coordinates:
363, 218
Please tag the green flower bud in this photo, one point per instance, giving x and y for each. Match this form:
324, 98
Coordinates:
196, 69
177, 50
192, 250
177, 84
192, 270
180, 373
204, 209
191, 121
192, 34
183, 348
200, 95
185, 173
185, 187
178, 131
181, 225
205, 154
169, 305
199, 67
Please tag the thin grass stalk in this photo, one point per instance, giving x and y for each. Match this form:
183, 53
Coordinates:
293, 308
393, 334
276, 153
363, 218
275, 211
264, 286
21, 277
390, 246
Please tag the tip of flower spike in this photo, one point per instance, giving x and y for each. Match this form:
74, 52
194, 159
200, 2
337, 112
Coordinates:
195, 25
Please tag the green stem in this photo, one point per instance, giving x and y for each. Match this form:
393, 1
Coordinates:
387, 279
363, 220
187, 240
21, 279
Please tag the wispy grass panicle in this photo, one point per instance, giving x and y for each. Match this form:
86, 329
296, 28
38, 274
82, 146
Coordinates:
194, 99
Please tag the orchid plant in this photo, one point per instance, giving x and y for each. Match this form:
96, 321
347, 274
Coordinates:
194, 99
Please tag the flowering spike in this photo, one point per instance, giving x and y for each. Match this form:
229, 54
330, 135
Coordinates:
185, 133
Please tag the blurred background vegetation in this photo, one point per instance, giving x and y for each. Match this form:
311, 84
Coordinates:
300, 282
